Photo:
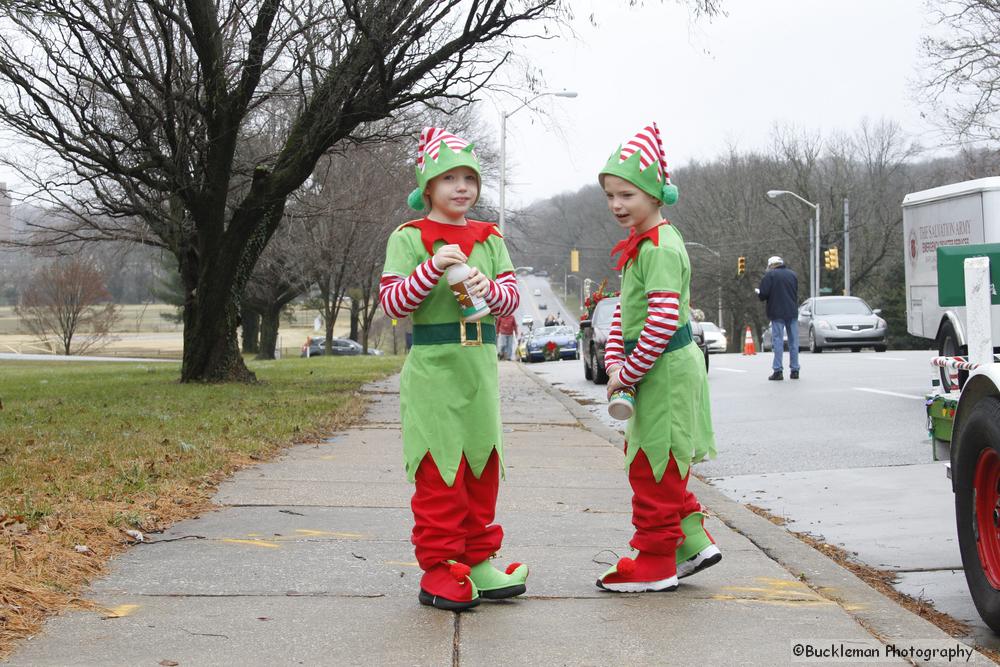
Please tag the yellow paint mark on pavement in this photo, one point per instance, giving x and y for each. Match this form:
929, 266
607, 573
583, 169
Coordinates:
402, 562
326, 533
255, 543
120, 611
774, 591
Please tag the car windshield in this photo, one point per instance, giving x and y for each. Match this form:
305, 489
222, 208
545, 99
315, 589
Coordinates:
603, 312
845, 306
554, 331
709, 326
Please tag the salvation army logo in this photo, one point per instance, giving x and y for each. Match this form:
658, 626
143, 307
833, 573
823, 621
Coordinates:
913, 246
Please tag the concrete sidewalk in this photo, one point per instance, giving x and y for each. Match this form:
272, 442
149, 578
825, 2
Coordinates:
309, 562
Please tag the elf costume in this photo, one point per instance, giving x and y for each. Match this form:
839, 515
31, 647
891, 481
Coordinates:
671, 428
449, 394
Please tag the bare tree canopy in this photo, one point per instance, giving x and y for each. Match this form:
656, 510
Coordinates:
69, 302
964, 68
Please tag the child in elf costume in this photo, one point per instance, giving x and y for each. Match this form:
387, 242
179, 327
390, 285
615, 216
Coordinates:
449, 394
650, 349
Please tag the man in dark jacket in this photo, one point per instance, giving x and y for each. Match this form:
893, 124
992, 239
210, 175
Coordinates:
780, 289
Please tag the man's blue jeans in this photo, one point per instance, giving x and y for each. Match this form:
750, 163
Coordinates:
778, 343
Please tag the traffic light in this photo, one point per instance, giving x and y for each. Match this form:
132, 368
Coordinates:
831, 259
574, 261
741, 265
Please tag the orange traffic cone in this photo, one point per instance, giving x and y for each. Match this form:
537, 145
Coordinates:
748, 346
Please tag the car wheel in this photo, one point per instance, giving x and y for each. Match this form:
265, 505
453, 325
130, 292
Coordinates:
855, 349
588, 373
813, 347
977, 474
950, 378
880, 348
600, 375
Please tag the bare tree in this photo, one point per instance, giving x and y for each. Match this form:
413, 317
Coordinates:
139, 108
68, 301
963, 72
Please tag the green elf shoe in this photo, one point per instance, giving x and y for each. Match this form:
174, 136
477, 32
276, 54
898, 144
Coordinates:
698, 551
493, 584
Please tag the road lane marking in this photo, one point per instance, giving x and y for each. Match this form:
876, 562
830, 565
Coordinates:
889, 393
730, 370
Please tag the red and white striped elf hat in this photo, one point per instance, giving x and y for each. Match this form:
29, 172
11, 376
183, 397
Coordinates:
641, 161
438, 151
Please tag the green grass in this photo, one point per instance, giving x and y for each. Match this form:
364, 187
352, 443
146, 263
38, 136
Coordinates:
108, 432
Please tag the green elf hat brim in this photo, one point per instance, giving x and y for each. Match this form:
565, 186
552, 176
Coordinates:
447, 160
645, 179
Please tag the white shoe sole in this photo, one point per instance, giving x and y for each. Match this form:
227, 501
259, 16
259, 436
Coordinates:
668, 584
704, 559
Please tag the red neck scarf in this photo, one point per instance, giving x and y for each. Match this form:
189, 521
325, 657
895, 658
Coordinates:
629, 247
466, 236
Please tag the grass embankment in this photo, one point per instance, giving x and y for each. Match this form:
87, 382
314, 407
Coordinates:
90, 450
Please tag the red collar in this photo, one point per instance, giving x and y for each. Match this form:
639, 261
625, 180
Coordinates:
629, 247
466, 236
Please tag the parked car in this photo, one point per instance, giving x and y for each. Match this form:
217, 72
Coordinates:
316, 347
715, 338
562, 336
542, 306
841, 321
537, 292
595, 336
543, 273
766, 345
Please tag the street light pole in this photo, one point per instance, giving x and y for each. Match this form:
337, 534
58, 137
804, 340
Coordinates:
503, 152
814, 251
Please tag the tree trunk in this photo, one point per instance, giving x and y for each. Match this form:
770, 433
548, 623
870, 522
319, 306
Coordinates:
355, 318
269, 323
251, 330
211, 315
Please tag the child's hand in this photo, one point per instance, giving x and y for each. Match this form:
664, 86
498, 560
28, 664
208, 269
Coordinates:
448, 255
614, 383
478, 283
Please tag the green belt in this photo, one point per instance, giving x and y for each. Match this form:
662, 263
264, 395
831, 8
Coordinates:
476, 333
680, 338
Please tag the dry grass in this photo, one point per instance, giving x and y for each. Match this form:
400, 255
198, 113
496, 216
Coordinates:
88, 451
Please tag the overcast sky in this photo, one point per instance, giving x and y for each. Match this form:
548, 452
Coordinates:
820, 65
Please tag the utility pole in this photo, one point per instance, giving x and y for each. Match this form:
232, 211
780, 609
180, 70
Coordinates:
847, 249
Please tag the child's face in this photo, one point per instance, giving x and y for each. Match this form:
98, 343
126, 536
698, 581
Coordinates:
631, 206
454, 192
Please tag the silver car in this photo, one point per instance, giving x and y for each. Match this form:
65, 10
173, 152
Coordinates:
841, 321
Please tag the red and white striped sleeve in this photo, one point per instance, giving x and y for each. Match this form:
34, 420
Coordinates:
614, 348
661, 323
503, 297
401, 296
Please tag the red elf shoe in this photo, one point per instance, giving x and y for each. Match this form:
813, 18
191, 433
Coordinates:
646, 574
447, 586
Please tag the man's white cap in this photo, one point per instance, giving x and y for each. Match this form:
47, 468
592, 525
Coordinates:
775, 261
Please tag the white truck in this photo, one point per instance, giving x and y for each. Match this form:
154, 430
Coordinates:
959, 214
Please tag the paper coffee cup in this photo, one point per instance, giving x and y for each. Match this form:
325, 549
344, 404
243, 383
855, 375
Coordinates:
621, 405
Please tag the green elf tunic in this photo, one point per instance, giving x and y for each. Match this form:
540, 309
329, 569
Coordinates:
449, 393
672, 412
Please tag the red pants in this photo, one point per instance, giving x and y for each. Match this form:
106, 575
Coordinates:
454, 522
658, 507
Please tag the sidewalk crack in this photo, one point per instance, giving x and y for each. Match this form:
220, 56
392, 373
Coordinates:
456, 641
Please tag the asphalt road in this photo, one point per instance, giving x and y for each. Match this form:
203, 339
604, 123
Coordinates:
842, 453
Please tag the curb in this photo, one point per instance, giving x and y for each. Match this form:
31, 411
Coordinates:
882, 617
